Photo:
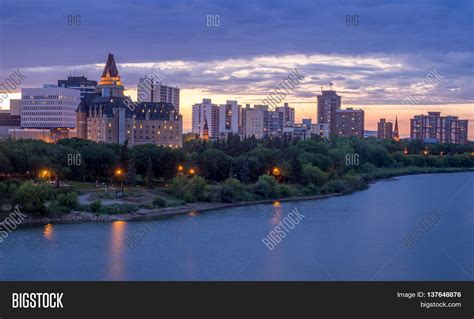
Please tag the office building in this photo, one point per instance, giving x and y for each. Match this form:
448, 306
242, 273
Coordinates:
8, 122
49, 108
80, 83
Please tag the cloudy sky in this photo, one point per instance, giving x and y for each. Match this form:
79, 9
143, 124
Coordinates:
374, 65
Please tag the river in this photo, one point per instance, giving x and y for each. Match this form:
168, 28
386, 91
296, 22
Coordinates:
361, 236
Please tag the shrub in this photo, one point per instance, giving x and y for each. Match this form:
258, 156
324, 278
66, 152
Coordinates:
266, 187
336, 186
69, 200
228, 194
368, 168
31, 198
159, 202
96, 206
313, 175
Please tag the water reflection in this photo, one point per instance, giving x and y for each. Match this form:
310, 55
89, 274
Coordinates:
277, 212
48, 231
116, 250
193, 213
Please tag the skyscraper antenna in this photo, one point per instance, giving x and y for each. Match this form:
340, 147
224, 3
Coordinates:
330, 84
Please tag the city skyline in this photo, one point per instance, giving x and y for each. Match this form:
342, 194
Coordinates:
374, 65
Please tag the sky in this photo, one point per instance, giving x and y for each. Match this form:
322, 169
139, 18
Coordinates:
374, 64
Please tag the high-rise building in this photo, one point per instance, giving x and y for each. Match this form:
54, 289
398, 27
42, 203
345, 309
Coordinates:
229, 118
384, 129
203, 112
328, 103
443, 129
285, 116
255, 121
49, 108
260, 122
350, 122
80, 83
106, 116
151, 89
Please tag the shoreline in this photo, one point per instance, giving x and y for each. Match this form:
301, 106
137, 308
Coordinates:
161, 213
144, 214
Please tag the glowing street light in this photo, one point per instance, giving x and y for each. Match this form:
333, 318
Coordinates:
276, 171
180, 168
192, 171
118, 172
45, 173
425, 152
405, 151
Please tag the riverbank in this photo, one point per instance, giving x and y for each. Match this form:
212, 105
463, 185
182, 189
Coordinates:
200, 207
162, 213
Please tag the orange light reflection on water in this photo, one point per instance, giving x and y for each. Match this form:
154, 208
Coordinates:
116, 248
277, 212
48, 231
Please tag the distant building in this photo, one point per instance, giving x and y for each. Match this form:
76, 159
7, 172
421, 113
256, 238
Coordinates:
369, 134
8, 122
15, 107
261, 122
320, 129
229, 118
349, 122
80, 83
203, 112
328, 104
445, 129
384, 129
283, 116
255, 121
106, 116
49, 108
151, 89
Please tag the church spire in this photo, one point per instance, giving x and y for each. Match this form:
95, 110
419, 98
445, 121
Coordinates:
205, 130
396, 135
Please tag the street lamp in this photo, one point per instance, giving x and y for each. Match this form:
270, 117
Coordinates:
425, 152
119, 174
192, 171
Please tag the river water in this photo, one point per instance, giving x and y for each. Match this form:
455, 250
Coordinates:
362, 236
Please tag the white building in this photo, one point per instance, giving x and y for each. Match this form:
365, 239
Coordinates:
255, 121
49, 107
151, 89
229, 118
206, 112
